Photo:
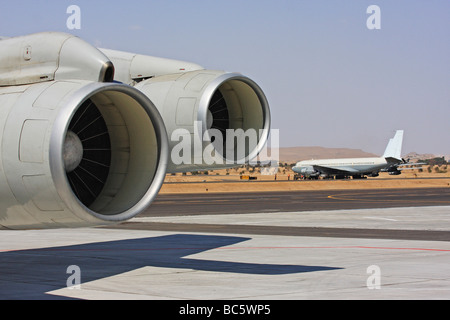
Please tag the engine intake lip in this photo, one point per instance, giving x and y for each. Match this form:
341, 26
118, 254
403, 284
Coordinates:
263, 109
57, 139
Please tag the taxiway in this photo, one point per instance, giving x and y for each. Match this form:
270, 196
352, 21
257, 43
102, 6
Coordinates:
293, 201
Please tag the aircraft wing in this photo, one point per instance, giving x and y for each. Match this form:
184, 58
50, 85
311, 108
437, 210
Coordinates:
334, 170
400, 166
411, 164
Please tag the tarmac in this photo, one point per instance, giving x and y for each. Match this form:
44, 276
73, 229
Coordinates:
143, 261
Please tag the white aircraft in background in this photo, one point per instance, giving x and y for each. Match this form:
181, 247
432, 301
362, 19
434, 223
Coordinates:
357, 168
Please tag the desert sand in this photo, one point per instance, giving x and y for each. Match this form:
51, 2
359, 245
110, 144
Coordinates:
230, 181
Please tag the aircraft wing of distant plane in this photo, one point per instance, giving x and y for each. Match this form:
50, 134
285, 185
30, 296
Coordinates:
400, 166
334, 170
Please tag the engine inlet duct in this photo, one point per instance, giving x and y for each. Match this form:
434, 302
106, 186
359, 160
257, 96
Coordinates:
235, 105
114, 152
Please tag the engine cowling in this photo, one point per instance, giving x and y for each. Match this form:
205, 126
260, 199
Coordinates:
78, 154
74, 152
395, 172
227, 112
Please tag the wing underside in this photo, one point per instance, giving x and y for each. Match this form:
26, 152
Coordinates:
333, 170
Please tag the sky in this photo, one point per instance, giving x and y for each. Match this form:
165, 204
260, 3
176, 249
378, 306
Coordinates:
329, 79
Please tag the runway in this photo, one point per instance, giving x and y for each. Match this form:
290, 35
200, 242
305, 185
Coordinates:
326, 245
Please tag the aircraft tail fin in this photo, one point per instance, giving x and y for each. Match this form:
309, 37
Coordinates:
394, 148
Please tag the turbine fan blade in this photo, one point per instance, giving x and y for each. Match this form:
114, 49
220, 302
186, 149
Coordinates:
89, 178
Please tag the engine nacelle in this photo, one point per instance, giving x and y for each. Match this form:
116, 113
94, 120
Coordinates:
76, 153
48, 56
131, 68
227, 112
306, 170
198, 107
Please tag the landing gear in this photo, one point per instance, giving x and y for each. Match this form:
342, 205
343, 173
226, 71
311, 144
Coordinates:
304, 177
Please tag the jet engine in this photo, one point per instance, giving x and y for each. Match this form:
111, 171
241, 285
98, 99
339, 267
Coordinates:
76, 149
214, 119
394, 172
225, 111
